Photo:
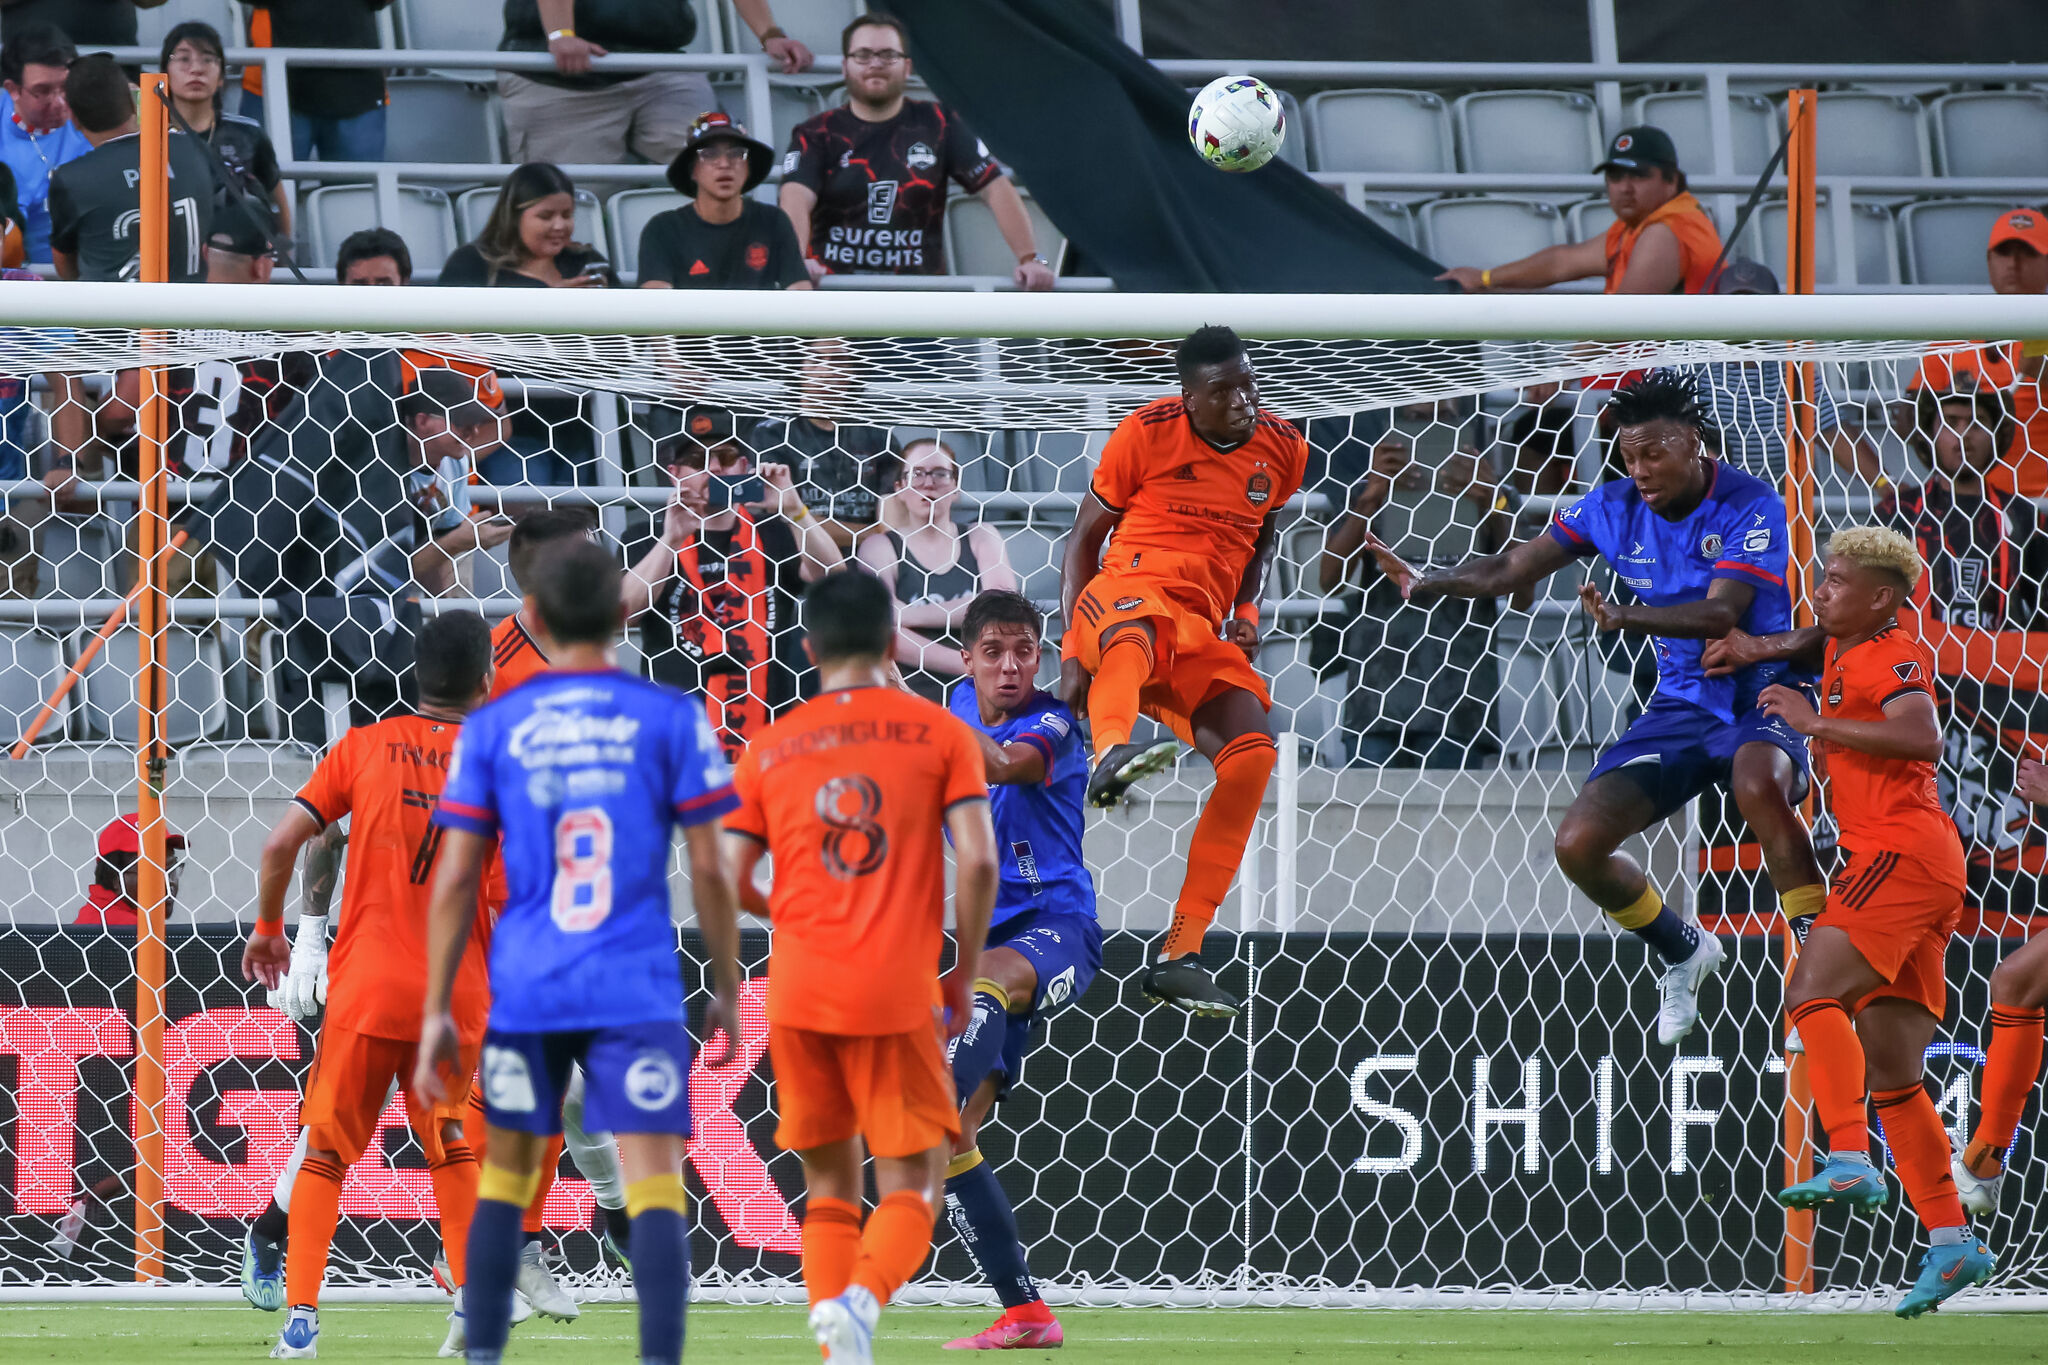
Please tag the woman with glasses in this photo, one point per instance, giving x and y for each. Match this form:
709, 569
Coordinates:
934, 567
194, 64
528, 242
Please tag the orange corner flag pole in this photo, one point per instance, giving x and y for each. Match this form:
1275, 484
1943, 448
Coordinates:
1801, 221
152, 867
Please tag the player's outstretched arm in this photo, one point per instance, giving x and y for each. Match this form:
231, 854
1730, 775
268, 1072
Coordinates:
974, 899
1710, 618
1738, 649
1517, 567
451, 909
712, 895
1011, 765
1910, 728
266, 956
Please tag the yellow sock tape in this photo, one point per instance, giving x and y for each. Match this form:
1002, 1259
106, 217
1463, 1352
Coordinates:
983, 985
1640, 911
963, 1163
664, 1191
507, 1187
1804, 900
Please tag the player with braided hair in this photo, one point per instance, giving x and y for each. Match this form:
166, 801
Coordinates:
1702, 548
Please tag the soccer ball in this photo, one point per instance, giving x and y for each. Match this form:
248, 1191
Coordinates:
1236, 123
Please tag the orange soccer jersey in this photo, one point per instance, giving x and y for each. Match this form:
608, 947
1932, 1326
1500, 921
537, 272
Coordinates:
514, 655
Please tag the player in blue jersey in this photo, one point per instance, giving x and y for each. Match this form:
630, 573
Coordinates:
1044, 942
1703, 548
586, 772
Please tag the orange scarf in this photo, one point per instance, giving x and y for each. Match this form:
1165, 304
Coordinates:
1699, 243
734, 621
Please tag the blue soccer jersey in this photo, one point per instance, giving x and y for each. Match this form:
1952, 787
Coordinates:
1738, 532
586, 775
1038, 827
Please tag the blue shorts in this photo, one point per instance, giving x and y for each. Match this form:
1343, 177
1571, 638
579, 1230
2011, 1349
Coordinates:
636, 1078
1065, 951
1676, 750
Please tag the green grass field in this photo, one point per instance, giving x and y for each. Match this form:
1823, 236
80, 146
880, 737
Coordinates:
1244, 1336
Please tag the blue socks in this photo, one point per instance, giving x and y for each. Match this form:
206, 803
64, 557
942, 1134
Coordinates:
661, 1278
980, 1213
1673, 938
976, 1052
495, 1236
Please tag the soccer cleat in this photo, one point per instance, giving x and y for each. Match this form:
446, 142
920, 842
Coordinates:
443, 1280
1946, 1271
1124, 764
1010, 1332
615, 1235
1678, 993
1841, 1180
548, 1298
1185, 984
70, 1230
521, 1309
1979, 1193
457, 1344
262, 1272
845, 1327
300, 1339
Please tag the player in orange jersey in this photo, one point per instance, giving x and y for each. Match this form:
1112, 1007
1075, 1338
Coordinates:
853, 793
1876, 952
2012, 1058
1166, 621
387, 778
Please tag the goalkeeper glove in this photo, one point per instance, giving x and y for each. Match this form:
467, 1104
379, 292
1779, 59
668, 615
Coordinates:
304, 988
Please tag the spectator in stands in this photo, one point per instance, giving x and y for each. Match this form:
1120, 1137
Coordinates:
934, 566
36, 132
94, 227
22, 519
195, 68
842, 472
1423, 677
113, 900
1749, 402
2015, 262
448, 423
1661, 242
374, 256
337, 112
1985, 550
528, 241
716, 592
1542, 455
96, 23
838, 162
239, 252
579, 116
723, 240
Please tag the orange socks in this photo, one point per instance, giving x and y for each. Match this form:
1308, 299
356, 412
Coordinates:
1242, 769
1836, 1074
550, 1167
2011, 1066
316, 1204
831, 1246
1113, 693
897, 1239
1920, 1152
454, 1177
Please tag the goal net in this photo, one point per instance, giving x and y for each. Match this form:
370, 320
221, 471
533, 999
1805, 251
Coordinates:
1446, 1081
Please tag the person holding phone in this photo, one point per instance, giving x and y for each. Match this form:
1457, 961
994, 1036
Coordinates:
715, 590
528, 242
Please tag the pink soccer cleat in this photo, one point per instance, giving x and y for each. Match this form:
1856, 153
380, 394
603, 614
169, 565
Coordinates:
1015, 1330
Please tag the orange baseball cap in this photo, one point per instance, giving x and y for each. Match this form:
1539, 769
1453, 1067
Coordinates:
2021, 225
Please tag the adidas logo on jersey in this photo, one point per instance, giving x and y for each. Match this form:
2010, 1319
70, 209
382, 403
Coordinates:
1186, 473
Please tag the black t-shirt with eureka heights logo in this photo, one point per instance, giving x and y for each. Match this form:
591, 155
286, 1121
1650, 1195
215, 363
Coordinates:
756, 250
881, 187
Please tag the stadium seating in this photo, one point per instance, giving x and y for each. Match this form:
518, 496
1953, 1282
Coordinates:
1587, 220
1753, 127
1945, 239
82, 557
1035, 556
434, 118
455, 27
425, 219
788, 105
152, 24
1863, 132
1488, 228
814, 23
1302, 703
1877, 243
1992, 132
198, 702
31, 664
1527, 132
473, 210
1380, 130
974, 246
1392, 215
1299, 560
628, 213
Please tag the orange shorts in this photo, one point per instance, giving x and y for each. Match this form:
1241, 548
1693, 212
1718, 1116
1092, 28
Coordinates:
351, 1082
895, 1090
1192, 663
1899, 912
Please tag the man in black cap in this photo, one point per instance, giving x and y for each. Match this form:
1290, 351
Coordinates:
1661, 240
724, 240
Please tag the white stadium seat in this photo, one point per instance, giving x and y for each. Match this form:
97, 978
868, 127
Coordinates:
788, 105
198, 701
31, 664
152, 24
1394, 216
1992, 132
425, 219
451, 25
975, 247
473, 210
435, 118
1381, 130
629, 211
1487, 230
1035, 556
1862, 132
1528, 132
1945, 239
1877, 243
1753, 128
814, 23
1587, 220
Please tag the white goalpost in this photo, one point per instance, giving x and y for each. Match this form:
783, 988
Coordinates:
1442, 1091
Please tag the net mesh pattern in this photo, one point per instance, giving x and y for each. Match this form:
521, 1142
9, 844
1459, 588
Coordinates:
1442, 1083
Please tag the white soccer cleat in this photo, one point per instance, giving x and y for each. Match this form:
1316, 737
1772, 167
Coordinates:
845, 1327
1678, 993
548, 1298
521, 1309
1979, 1196
457, 1344
300, 1339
